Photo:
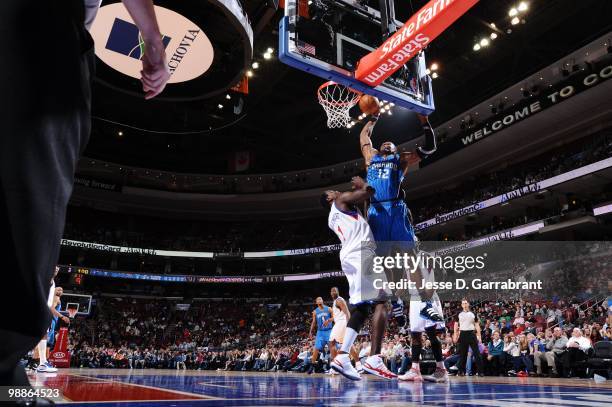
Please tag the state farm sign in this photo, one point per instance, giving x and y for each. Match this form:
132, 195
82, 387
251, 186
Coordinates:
422, 28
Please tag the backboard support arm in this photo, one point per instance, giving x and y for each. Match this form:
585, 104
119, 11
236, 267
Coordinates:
387, 17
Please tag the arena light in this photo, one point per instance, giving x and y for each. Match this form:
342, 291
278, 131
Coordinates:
434, 66
513, 12
493, 25
267, 55
428, 71
228, 97
515, 21
220, 106
523, 6
476, 47
493, 36
120, 133
255, 65
434, 75
484, 42
249, 73
270, 50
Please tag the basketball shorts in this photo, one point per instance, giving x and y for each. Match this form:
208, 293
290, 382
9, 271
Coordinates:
51, 333
417, 322
337, 332
364, 284
389, 222
322, 339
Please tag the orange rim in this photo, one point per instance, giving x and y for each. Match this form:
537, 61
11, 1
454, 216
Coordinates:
353, 101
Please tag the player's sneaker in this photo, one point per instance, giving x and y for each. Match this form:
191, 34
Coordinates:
342, 364
429, 313
412, 375
46, 368
359, 367
375, 365
438, 376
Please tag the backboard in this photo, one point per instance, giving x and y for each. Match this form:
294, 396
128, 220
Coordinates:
329, 40
79, 301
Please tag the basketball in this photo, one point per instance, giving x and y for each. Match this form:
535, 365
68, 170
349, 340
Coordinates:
369, 105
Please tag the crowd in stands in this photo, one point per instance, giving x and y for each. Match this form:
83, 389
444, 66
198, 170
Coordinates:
111, 228
518, 337
479, 188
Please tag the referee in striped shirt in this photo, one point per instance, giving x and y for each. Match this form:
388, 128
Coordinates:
469, 337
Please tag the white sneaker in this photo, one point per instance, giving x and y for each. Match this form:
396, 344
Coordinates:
359, 366
342, 364
412, 375
46, 368
375, 365
438, 376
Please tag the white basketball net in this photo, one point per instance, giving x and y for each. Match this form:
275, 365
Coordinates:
337, 100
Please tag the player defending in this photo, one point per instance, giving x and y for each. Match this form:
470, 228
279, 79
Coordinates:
358, 248
340, 315
321, 318
425, 299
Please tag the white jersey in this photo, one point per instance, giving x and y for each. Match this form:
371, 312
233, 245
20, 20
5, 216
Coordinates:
351, 228
51, 294
339, 316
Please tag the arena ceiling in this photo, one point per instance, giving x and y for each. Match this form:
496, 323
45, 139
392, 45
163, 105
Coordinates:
280, 122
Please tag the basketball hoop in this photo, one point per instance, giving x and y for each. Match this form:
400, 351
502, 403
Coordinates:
337, 100
72, 309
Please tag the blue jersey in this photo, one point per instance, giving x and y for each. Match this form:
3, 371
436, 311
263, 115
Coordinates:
388, 214
385, 175
321, 316
58, 307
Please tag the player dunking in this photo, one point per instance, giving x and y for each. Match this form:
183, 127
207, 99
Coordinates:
356, 256
321, 318
386, 169
388, 214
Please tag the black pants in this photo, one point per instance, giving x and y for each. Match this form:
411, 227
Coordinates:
467, 339
45, 118
565, 361
497, 364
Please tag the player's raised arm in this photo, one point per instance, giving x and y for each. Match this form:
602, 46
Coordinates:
410, 158
361, 192
367, 150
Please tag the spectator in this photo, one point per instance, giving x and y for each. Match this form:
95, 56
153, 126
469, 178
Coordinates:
496, 357
556, 343
578, 347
